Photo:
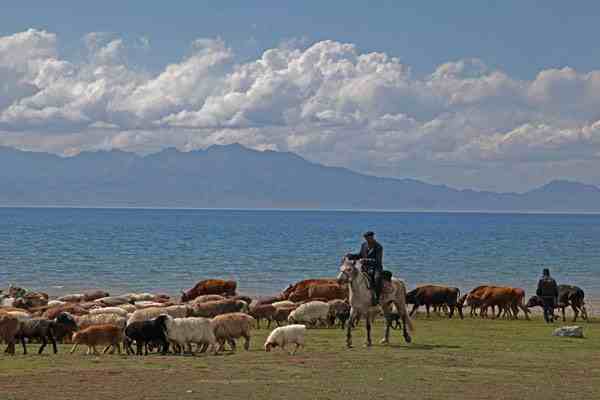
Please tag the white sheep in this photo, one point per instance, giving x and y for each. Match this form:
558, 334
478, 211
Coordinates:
284, 304
109, 310
140, 296
185, 331
85, 321
147, 314
111, 301
311, 313
147, 304
284, 335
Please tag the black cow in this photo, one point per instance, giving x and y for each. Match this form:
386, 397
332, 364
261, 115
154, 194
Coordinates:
568, 295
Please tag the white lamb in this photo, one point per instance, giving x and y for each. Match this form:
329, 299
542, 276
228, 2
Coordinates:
311, 313
147, 314
109, 310
284, 335
185, 331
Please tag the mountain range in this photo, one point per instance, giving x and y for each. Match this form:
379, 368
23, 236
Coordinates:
233, 176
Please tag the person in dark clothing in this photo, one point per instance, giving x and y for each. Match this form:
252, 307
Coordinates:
548, 290
371, 256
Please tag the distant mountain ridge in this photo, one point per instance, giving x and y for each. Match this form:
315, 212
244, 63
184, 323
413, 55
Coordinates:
233, 176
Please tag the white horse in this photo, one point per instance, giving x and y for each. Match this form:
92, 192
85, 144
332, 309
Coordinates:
394, 294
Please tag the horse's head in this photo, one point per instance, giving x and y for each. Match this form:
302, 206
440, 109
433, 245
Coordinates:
348, 271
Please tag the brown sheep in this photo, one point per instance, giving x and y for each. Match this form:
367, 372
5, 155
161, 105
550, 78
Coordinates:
229, 327
263, 311
109, 335
213, 308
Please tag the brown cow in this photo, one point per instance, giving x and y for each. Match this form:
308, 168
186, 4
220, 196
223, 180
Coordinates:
322, 291
435, 295
303, 285
210, 286
507, 299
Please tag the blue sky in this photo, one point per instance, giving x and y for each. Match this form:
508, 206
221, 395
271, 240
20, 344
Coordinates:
491, 95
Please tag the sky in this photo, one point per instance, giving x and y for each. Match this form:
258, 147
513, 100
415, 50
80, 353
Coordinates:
500, 96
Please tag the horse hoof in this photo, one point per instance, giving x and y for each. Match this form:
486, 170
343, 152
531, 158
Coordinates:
384, 341
368, 344
408, 339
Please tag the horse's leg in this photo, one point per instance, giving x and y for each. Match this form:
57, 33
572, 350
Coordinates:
353, 315
575, 312
387, 321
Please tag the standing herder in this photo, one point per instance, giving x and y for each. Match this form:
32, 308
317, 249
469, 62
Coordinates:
371, 256
548, 290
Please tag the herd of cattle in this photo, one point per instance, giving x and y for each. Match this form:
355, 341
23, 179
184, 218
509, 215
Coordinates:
212, 314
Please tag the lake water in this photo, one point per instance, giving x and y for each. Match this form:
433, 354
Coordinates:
68, 250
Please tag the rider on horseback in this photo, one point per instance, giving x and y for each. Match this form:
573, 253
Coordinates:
371, 256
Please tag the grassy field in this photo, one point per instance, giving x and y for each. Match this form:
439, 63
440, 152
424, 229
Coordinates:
469, 359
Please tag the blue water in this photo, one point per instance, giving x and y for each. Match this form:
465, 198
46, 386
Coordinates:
68, 250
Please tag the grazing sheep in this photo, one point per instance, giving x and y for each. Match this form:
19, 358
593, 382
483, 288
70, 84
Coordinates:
211, 309
185, 331
312, 313
146, 314
283, 303
9, 327
85, 321
339, 310
144, 333
140, 297
228, 327
109, 310
43, 329
263, 311
282, 336
108, 335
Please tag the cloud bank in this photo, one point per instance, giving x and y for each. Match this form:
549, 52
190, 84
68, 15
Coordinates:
465, 123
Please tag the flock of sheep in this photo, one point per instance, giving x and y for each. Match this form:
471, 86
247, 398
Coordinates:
211, 315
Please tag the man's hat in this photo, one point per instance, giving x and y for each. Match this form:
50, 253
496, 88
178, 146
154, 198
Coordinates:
369, 234
546, 271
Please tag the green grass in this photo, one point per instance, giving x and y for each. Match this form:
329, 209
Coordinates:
469, 359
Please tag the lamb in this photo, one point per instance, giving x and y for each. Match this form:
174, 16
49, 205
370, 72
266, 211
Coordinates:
108, 335
282, 336
109, 310
229, 327
213, 308
9, 326
312, 313
43, 329
185, 331
144, 333
85, 321
146, 314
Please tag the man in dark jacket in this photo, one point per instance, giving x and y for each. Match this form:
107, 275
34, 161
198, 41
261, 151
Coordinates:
548, 290
371, 256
